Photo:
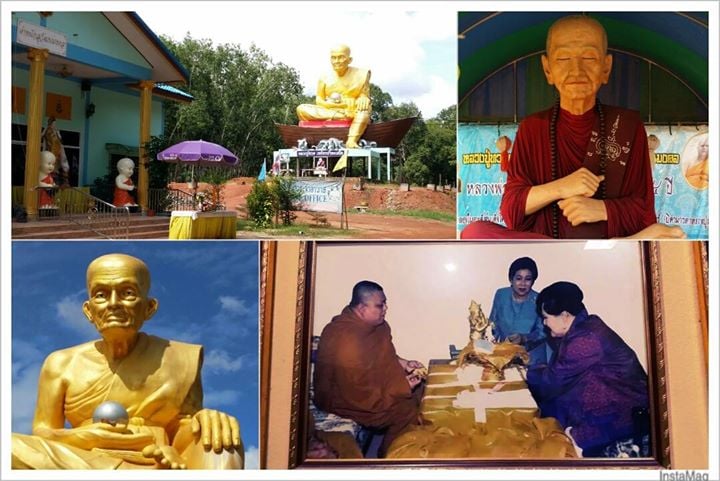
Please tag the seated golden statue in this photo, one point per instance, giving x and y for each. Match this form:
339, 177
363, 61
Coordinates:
697, 174
157, 382
342, 95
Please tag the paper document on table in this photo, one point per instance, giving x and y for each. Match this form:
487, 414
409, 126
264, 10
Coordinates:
483, 399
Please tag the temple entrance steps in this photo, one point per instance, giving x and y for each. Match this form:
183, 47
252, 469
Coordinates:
139, 227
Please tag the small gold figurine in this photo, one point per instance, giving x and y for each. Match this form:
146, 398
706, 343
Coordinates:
483, 350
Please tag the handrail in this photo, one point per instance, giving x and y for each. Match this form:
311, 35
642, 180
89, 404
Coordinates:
80, 208
167, 200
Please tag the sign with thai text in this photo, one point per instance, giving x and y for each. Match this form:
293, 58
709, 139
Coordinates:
40, 37
321, 195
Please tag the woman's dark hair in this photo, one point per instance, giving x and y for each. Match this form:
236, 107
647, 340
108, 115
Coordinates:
559, 297
523, 263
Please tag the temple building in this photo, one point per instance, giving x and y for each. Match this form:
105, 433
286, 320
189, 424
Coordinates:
103, 77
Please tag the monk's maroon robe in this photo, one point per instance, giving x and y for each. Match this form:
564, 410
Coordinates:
630, 200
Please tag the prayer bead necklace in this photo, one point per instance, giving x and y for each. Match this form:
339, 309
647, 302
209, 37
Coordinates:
553, 155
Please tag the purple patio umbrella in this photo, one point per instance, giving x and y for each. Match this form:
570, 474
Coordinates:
198, 152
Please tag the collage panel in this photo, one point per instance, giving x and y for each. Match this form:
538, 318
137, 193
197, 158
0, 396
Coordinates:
142, 125
278, 236
134, 355
591, 125
484, 355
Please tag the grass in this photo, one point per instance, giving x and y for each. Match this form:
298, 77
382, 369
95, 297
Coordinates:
423, 214
296, 230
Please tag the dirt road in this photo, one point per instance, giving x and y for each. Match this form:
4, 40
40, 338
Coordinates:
365, 225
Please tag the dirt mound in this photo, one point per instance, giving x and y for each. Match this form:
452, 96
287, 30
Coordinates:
375, 196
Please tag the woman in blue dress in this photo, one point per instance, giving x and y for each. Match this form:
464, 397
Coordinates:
513, 311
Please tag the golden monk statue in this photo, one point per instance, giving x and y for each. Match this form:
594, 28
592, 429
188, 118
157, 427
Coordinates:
697, 174
157, 382
342, 95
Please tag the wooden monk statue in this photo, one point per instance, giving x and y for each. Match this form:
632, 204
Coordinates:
343, 94
157, 382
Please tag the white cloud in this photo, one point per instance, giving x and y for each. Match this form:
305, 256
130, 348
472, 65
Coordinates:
172, 330
226, 397
24, 396
69, 310
218, 360
252, 457
388, 39
24, 354
235, 313
233, 305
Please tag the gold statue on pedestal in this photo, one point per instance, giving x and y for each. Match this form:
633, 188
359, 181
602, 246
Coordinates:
483, 350
342, 95
156, 381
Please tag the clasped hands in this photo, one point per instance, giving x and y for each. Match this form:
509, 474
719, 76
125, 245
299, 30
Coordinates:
576, 191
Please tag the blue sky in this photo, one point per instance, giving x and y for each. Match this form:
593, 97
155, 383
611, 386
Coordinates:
207, 293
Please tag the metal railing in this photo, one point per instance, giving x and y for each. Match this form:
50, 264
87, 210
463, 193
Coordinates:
93, 214
168, 200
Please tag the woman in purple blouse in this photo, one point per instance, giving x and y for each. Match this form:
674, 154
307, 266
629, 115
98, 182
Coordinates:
594, 384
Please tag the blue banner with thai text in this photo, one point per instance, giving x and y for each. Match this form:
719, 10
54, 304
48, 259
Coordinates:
680, 174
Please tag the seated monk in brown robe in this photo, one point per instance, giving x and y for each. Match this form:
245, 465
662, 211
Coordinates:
358, 374
157, 381
580, 169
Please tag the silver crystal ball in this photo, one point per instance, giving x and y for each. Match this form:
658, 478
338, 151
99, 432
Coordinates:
111, 412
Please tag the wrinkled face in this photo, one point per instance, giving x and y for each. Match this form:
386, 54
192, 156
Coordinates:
118, 300
340, 60
373, 310
558, 324
521, 283
703, 149
576, 62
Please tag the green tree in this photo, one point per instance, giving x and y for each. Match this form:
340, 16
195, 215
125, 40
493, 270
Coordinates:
260, 204
412, 139
239, 96
429, 150
381, 101
286, 196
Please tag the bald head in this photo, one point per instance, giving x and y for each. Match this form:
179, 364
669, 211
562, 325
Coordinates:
341, 48
576, 21
119, 265
340, 59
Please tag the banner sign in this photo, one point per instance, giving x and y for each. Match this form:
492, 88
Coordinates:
320, 153
320, 195
680, 174
40, 37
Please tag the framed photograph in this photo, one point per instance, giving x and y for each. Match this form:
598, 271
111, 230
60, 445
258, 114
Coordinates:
430, 289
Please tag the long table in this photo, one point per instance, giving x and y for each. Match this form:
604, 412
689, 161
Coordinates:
465, 417
193, 224
448, 387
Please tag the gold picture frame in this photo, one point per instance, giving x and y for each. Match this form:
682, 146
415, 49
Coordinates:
304, 304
